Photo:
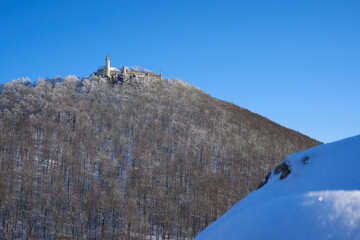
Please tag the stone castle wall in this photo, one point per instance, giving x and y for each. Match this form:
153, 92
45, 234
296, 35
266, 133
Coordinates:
124, 72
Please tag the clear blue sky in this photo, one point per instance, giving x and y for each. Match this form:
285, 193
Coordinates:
294, 62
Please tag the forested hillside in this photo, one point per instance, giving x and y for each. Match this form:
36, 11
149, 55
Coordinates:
148, 157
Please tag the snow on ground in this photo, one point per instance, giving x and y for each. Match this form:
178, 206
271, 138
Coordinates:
319, 199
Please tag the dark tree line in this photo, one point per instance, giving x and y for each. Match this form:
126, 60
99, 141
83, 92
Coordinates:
149, 157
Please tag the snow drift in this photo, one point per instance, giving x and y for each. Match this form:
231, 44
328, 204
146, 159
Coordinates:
314, 194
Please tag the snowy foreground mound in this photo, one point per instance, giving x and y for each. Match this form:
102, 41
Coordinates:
313, 194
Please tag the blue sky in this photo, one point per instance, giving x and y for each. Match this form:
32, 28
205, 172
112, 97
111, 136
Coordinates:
294, 62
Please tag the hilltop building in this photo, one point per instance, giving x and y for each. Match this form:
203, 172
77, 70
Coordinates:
115, 73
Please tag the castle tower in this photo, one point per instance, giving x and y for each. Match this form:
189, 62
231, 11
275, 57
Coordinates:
107, 67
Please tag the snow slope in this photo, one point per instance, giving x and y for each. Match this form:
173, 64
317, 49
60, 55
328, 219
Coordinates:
319, 199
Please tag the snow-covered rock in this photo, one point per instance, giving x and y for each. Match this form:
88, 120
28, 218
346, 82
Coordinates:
318, 197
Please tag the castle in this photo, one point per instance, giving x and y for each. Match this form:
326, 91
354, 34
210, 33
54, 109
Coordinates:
112, 73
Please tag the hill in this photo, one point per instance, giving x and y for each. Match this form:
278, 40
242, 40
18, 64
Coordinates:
318, 197
147, 157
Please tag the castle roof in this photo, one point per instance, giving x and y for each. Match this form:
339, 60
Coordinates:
111, 68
